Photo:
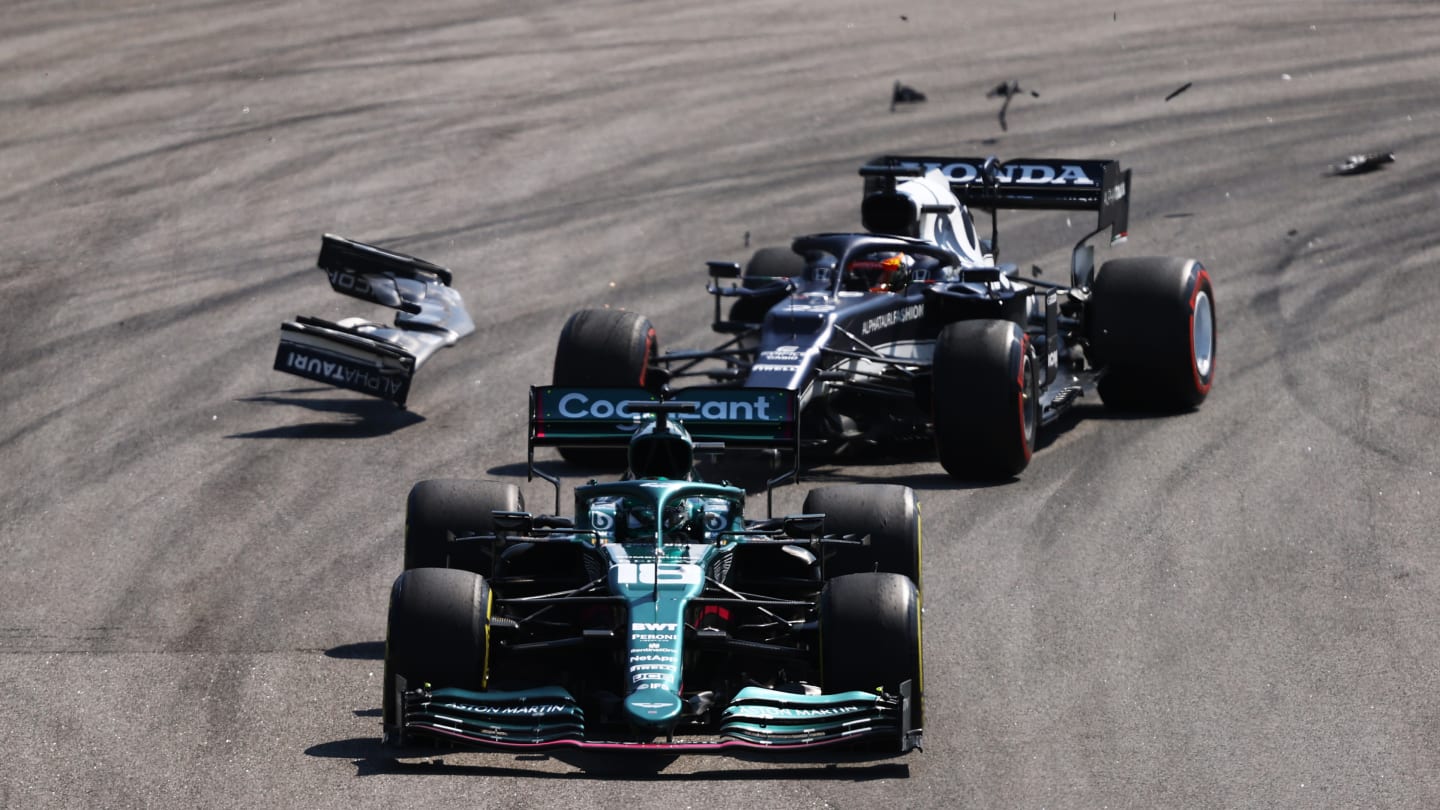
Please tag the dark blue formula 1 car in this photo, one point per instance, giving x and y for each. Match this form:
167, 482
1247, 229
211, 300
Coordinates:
913, 330
659, 615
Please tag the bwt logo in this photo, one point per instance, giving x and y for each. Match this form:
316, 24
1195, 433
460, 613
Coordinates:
579, 406
1027, 174
653, 627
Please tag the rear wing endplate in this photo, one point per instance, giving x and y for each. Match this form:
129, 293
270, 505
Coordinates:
1049, 184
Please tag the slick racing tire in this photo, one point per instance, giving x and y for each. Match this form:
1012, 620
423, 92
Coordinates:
764, 267
438, 633
986, 399
870, 637
1151, 327
444, 507
886, 512
603, 348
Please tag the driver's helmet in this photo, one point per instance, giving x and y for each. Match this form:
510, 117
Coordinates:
676, 516
880, 273
677, 520
686, 520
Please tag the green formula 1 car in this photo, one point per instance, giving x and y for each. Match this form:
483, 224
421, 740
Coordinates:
659, 616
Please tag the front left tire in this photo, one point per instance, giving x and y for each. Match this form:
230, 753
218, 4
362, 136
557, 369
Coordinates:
870, 637
986, 399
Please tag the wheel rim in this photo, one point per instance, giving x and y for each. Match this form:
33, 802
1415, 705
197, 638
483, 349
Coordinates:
1202, 335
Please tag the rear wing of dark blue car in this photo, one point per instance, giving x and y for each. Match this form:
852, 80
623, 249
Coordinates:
1051, 184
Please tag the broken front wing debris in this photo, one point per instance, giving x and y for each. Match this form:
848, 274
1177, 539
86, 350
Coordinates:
375, 358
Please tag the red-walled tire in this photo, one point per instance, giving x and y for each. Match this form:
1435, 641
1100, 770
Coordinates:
986, 404
1151, 328
603, 348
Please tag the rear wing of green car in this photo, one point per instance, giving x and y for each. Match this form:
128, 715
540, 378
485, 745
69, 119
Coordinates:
603, 417
716, 419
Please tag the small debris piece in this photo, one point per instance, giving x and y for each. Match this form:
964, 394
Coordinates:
1361, 164
904, 94
1008, 90
1177, 91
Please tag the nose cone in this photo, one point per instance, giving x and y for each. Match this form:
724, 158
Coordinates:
655, 708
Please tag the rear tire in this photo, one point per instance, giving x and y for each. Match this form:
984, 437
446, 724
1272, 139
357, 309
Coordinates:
1151, 326
603, 348
442, 507
438, 632
886, 512
870, 637
986, 406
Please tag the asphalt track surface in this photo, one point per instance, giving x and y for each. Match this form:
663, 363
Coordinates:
1234, 607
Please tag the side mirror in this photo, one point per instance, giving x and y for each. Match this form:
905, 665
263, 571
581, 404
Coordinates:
512, 522
724, 269
804, 526
1082, 266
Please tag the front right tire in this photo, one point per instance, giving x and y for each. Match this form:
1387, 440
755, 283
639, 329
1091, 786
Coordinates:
870, 637
764, 268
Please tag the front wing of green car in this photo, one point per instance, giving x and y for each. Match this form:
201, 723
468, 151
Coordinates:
755, 719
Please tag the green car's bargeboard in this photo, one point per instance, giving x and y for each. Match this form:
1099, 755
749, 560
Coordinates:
658, 617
